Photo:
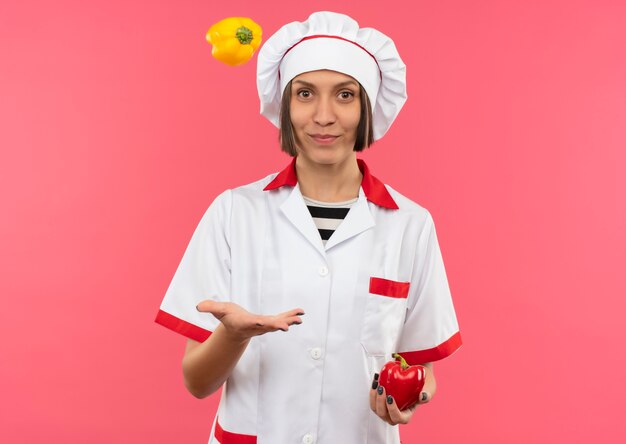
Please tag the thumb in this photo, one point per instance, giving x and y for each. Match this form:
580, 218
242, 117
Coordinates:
217, 309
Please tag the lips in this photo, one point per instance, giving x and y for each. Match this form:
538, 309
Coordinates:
323, 138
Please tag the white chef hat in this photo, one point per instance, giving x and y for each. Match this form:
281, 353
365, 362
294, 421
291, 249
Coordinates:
328, 40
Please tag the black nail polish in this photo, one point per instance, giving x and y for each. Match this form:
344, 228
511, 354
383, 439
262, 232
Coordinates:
300, 314
375, 376
380, 389
424, 396
374, 385
389, 399
197, 307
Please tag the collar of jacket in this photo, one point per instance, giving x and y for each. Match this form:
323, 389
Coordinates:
374, 189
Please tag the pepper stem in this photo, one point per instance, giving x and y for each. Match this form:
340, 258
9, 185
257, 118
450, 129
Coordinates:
244, 35
403, 362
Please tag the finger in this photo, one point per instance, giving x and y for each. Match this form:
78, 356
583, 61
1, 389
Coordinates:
217, 309
283, 320
290, 313
264, 324
272, 324
205, 305
381, 404
282, 324
430, 386
293, 320
374, 393
395, 414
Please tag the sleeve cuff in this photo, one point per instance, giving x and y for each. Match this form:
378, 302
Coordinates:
183, 327
441, 351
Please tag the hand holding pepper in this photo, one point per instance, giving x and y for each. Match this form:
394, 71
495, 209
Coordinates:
385, 406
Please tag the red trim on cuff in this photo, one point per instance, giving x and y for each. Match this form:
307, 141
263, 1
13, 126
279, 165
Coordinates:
183, 327
433, 354
225, 437
386, 287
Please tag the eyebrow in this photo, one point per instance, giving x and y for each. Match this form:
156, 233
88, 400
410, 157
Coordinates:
338, 85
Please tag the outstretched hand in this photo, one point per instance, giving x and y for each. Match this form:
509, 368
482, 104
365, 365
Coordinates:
242, 324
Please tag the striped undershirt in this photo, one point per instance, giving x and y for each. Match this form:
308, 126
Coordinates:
328, 215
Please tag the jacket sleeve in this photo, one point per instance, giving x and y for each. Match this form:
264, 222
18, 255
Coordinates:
431, 331
203, 273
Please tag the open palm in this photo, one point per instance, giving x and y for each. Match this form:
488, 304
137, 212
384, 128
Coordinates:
242, 324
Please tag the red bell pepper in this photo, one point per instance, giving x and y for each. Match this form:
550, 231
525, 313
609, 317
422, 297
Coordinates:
402, 381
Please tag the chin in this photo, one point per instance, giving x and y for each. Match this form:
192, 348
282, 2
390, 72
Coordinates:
325, 157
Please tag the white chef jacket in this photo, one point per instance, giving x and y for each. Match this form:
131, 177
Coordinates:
377, 287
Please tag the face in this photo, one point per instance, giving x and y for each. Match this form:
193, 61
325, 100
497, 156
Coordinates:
325, 111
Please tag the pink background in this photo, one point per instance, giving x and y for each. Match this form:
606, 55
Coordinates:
117, 129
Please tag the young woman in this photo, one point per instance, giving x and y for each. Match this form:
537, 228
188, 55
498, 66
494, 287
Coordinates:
343, 267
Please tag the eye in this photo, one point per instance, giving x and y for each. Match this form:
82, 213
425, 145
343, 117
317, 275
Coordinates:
346, 95
304, 93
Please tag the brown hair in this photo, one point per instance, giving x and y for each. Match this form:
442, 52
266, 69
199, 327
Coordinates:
287, 138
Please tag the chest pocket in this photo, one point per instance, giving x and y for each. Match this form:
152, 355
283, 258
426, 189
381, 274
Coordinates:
384, 315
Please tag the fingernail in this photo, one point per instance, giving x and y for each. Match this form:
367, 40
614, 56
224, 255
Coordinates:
389, 399
424, 396
374, 385
297, 323
380, 389
197, 307
375, 376
300, 314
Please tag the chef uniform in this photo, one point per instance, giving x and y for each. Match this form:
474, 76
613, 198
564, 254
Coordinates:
377, 286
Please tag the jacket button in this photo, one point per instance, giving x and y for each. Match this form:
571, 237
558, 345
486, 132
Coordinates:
323, 271
307, 439
316, 353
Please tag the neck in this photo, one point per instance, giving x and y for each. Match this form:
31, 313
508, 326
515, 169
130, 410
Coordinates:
331, 182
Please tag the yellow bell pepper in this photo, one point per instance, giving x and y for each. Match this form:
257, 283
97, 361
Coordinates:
234, 40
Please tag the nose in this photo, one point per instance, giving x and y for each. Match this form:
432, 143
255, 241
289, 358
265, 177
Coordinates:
324, 114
